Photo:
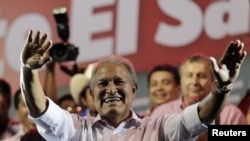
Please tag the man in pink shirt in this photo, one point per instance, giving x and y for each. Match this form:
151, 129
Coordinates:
163, 86
197, 81
113, 85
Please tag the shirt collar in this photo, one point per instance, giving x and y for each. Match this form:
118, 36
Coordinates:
133, 118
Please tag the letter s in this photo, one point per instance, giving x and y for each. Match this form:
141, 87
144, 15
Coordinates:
188, 14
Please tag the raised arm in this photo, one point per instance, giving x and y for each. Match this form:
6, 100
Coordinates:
226, 72
34, 55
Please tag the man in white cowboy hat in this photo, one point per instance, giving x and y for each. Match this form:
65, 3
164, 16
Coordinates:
79, 88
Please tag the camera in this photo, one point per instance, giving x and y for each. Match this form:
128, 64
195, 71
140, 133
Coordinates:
63, 51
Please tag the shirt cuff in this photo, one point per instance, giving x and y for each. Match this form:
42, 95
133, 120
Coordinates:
45, 119
195, 120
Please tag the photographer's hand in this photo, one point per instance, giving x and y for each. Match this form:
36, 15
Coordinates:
36, 51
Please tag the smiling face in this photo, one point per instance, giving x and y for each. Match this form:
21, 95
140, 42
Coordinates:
196, 80
113, 92
162, 88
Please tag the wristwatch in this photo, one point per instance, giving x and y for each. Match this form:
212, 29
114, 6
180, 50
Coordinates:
224, 89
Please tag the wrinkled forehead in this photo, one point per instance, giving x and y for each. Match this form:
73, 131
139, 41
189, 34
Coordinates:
111, 70
201, 66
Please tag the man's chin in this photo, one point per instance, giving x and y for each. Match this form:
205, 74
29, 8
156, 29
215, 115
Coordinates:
112, 111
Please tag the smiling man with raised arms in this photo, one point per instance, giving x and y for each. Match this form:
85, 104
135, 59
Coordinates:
114, 86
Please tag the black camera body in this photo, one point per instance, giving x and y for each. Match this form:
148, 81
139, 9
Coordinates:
61, 52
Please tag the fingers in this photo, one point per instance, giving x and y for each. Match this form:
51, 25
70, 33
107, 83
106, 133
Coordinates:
214, 64
29, 38
229, 48
47, 48
44, 61
239, 52
243, 56
39, 43
234, 52
47, 45
37, 38
42, 40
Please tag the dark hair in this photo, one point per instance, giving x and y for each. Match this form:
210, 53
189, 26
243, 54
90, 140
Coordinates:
32, 135
17, 98
168, 68
5, 90
63, 98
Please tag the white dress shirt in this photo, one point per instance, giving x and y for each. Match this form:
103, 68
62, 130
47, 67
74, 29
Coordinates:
57, 124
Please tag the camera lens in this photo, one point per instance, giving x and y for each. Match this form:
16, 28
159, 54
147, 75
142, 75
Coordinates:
63, 52
58, 52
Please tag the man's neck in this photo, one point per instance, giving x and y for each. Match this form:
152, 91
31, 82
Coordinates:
116, 120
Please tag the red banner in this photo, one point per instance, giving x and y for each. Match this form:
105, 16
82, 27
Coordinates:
146, 32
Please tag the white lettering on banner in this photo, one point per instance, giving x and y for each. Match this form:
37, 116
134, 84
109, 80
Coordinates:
18, 32
3, 27
85, 23
127, 27
238, 18
189, 15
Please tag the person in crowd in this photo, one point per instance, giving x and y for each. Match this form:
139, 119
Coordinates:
21, 112
114, 86
10, 129
80, 90
163, 86
67, 102
197, 81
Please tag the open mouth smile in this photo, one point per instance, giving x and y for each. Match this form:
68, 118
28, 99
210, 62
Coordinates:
111, 99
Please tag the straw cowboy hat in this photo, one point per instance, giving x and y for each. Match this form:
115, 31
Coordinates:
80, 81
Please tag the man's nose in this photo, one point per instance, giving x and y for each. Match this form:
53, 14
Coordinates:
111, 89
195, 79
159, 86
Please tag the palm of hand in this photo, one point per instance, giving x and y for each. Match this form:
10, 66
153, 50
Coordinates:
36, 51
229, 64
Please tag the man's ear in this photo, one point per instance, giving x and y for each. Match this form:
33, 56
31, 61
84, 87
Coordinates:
134, 89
